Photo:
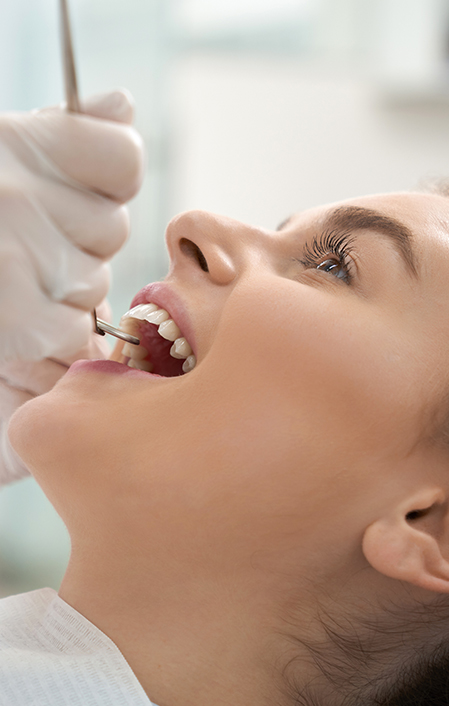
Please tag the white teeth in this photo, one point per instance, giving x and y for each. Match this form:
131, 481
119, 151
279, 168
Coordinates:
140, 311
145, 365
157, 317
189, 364
134, 352
128, 325
180, 349
169, 330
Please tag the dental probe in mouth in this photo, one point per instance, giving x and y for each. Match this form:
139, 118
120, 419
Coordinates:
73, 106
102, 327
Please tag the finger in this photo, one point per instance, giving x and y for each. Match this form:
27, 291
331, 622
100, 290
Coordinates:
97, 346
34, 327
74, 328
102, 155
92, 222
84, 291
62, 269
115, 105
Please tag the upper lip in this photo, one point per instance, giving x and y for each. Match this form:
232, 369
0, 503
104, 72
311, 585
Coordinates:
162, 294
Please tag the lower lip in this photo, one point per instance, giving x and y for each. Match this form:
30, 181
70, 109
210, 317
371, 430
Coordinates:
111, 367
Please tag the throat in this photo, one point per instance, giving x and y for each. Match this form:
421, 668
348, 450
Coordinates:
180, 643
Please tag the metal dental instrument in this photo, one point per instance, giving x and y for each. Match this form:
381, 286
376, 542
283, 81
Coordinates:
73, 105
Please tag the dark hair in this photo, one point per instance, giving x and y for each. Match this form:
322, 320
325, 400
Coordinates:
426, 684
398, 656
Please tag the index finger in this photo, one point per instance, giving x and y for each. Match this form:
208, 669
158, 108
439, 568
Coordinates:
102, 155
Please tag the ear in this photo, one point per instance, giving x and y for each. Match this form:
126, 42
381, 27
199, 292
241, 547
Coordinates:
412, 542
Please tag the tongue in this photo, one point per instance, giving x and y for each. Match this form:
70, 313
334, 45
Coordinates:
159, 351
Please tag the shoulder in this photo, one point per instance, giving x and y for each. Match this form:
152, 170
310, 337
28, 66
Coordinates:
50, 654
20, 615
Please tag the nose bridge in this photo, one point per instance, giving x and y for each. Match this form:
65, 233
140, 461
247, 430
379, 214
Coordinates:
226, 244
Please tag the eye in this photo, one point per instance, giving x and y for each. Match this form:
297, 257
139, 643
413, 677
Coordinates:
335, 267
329, 252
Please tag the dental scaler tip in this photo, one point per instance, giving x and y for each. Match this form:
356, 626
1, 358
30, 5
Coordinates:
102, 327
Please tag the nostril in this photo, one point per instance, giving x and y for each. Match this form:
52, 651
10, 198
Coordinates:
191, 250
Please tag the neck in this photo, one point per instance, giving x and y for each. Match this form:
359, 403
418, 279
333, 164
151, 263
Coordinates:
190, 640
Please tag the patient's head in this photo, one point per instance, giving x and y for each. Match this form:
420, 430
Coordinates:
305, 458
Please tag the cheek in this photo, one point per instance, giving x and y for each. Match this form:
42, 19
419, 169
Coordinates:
331, 370
285, 412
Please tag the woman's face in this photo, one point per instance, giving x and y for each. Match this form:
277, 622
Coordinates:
321, 350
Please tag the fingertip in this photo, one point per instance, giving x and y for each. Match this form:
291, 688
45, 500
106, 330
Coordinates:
88, 292
133, 169
116, 105
118, 231
75, 329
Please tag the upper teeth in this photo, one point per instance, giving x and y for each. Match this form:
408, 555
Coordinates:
167, 328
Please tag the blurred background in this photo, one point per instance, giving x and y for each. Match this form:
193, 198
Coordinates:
251, 108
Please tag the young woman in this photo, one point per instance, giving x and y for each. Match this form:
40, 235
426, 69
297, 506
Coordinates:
268, 525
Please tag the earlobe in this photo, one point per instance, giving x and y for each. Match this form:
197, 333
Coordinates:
413, 550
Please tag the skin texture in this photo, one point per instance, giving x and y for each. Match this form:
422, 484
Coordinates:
207, 510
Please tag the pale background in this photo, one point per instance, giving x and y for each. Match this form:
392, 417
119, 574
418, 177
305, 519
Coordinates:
252, 108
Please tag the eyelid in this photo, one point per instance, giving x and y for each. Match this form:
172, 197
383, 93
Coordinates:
330, 243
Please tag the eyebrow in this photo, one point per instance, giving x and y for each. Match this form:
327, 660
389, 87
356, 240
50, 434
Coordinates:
351, 218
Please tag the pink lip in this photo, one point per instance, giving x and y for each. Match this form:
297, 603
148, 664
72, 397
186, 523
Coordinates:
109, 366
161, 294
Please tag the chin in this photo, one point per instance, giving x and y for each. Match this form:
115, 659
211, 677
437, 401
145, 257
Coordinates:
36, 433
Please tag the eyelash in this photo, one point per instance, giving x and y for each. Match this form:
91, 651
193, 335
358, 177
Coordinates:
330, 243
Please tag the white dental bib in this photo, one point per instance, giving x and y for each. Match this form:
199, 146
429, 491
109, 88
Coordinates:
50, 655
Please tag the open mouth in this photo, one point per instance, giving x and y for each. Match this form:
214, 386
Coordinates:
163, 350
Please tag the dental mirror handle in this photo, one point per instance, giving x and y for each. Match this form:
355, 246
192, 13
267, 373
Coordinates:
73, 105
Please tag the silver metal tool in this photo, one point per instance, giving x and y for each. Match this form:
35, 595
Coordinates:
73, 105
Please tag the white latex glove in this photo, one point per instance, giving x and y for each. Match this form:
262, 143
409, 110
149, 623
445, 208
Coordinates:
63, 181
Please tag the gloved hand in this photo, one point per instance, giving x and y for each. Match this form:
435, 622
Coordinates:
63, 181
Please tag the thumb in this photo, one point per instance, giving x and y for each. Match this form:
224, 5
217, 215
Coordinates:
116, 105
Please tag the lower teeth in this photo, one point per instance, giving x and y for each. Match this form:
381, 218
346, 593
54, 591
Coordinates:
189, 364
148, 366
145, 365
134, 352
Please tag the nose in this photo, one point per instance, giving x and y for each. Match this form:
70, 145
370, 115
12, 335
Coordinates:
216, 245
